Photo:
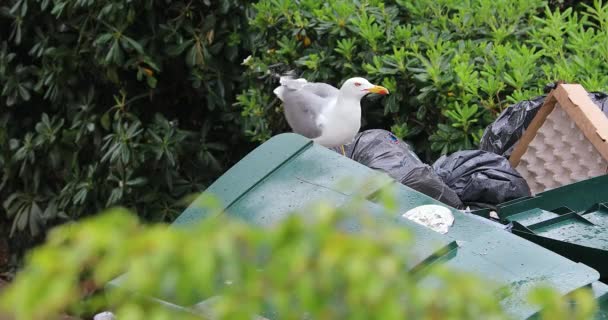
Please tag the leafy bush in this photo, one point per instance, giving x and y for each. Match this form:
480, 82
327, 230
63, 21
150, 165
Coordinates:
115, 102
451, 65
315, 270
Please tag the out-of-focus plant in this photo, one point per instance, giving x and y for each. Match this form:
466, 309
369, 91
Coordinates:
306, 266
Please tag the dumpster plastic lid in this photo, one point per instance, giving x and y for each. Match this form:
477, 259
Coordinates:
288, 172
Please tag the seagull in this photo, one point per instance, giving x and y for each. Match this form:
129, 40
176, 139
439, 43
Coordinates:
321, 112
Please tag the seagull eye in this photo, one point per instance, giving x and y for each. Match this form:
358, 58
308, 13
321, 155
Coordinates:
357, 84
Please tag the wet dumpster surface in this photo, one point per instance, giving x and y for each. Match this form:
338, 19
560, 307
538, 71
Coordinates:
288, 172
571, 220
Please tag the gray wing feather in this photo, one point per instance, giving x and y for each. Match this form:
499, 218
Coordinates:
323, 90
304, 105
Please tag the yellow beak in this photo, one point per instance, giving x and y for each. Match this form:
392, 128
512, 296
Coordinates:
379, 90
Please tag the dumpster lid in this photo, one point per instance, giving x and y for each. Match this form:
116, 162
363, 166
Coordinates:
288, 172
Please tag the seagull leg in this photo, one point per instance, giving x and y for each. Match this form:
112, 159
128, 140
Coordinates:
343, 152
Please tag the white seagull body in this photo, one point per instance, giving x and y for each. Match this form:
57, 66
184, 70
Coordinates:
321, 112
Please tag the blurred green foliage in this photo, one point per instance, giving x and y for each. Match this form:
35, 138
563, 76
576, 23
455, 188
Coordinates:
306, 266
115, 102
451, 65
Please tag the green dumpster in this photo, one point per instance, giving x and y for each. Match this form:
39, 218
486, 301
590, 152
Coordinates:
288, 172
571, 220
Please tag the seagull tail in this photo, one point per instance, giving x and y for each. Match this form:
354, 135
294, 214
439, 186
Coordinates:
291, 83
288, 82
278, 91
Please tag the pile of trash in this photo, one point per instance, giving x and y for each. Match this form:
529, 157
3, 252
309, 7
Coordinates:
471, 178
381, 150
474, 179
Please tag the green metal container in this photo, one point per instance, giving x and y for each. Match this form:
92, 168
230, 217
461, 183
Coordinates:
571, 220
288, 172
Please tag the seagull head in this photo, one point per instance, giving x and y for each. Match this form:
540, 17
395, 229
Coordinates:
359, 87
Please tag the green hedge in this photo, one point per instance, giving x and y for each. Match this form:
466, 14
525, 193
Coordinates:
115, 102
451, 65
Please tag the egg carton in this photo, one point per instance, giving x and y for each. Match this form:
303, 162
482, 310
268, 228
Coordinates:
565, 143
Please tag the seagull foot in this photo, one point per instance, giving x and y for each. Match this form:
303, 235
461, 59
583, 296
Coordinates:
343, 152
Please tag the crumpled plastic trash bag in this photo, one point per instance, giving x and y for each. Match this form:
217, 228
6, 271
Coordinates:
381, 150
106, 315
501, 136
481, 179
437, 218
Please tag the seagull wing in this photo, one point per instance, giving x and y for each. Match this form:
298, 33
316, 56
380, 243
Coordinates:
305, 103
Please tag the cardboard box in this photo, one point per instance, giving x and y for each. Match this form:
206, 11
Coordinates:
565, 143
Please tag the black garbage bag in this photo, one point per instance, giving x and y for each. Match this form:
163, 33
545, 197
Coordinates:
501, 136
381, 150
481, 179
